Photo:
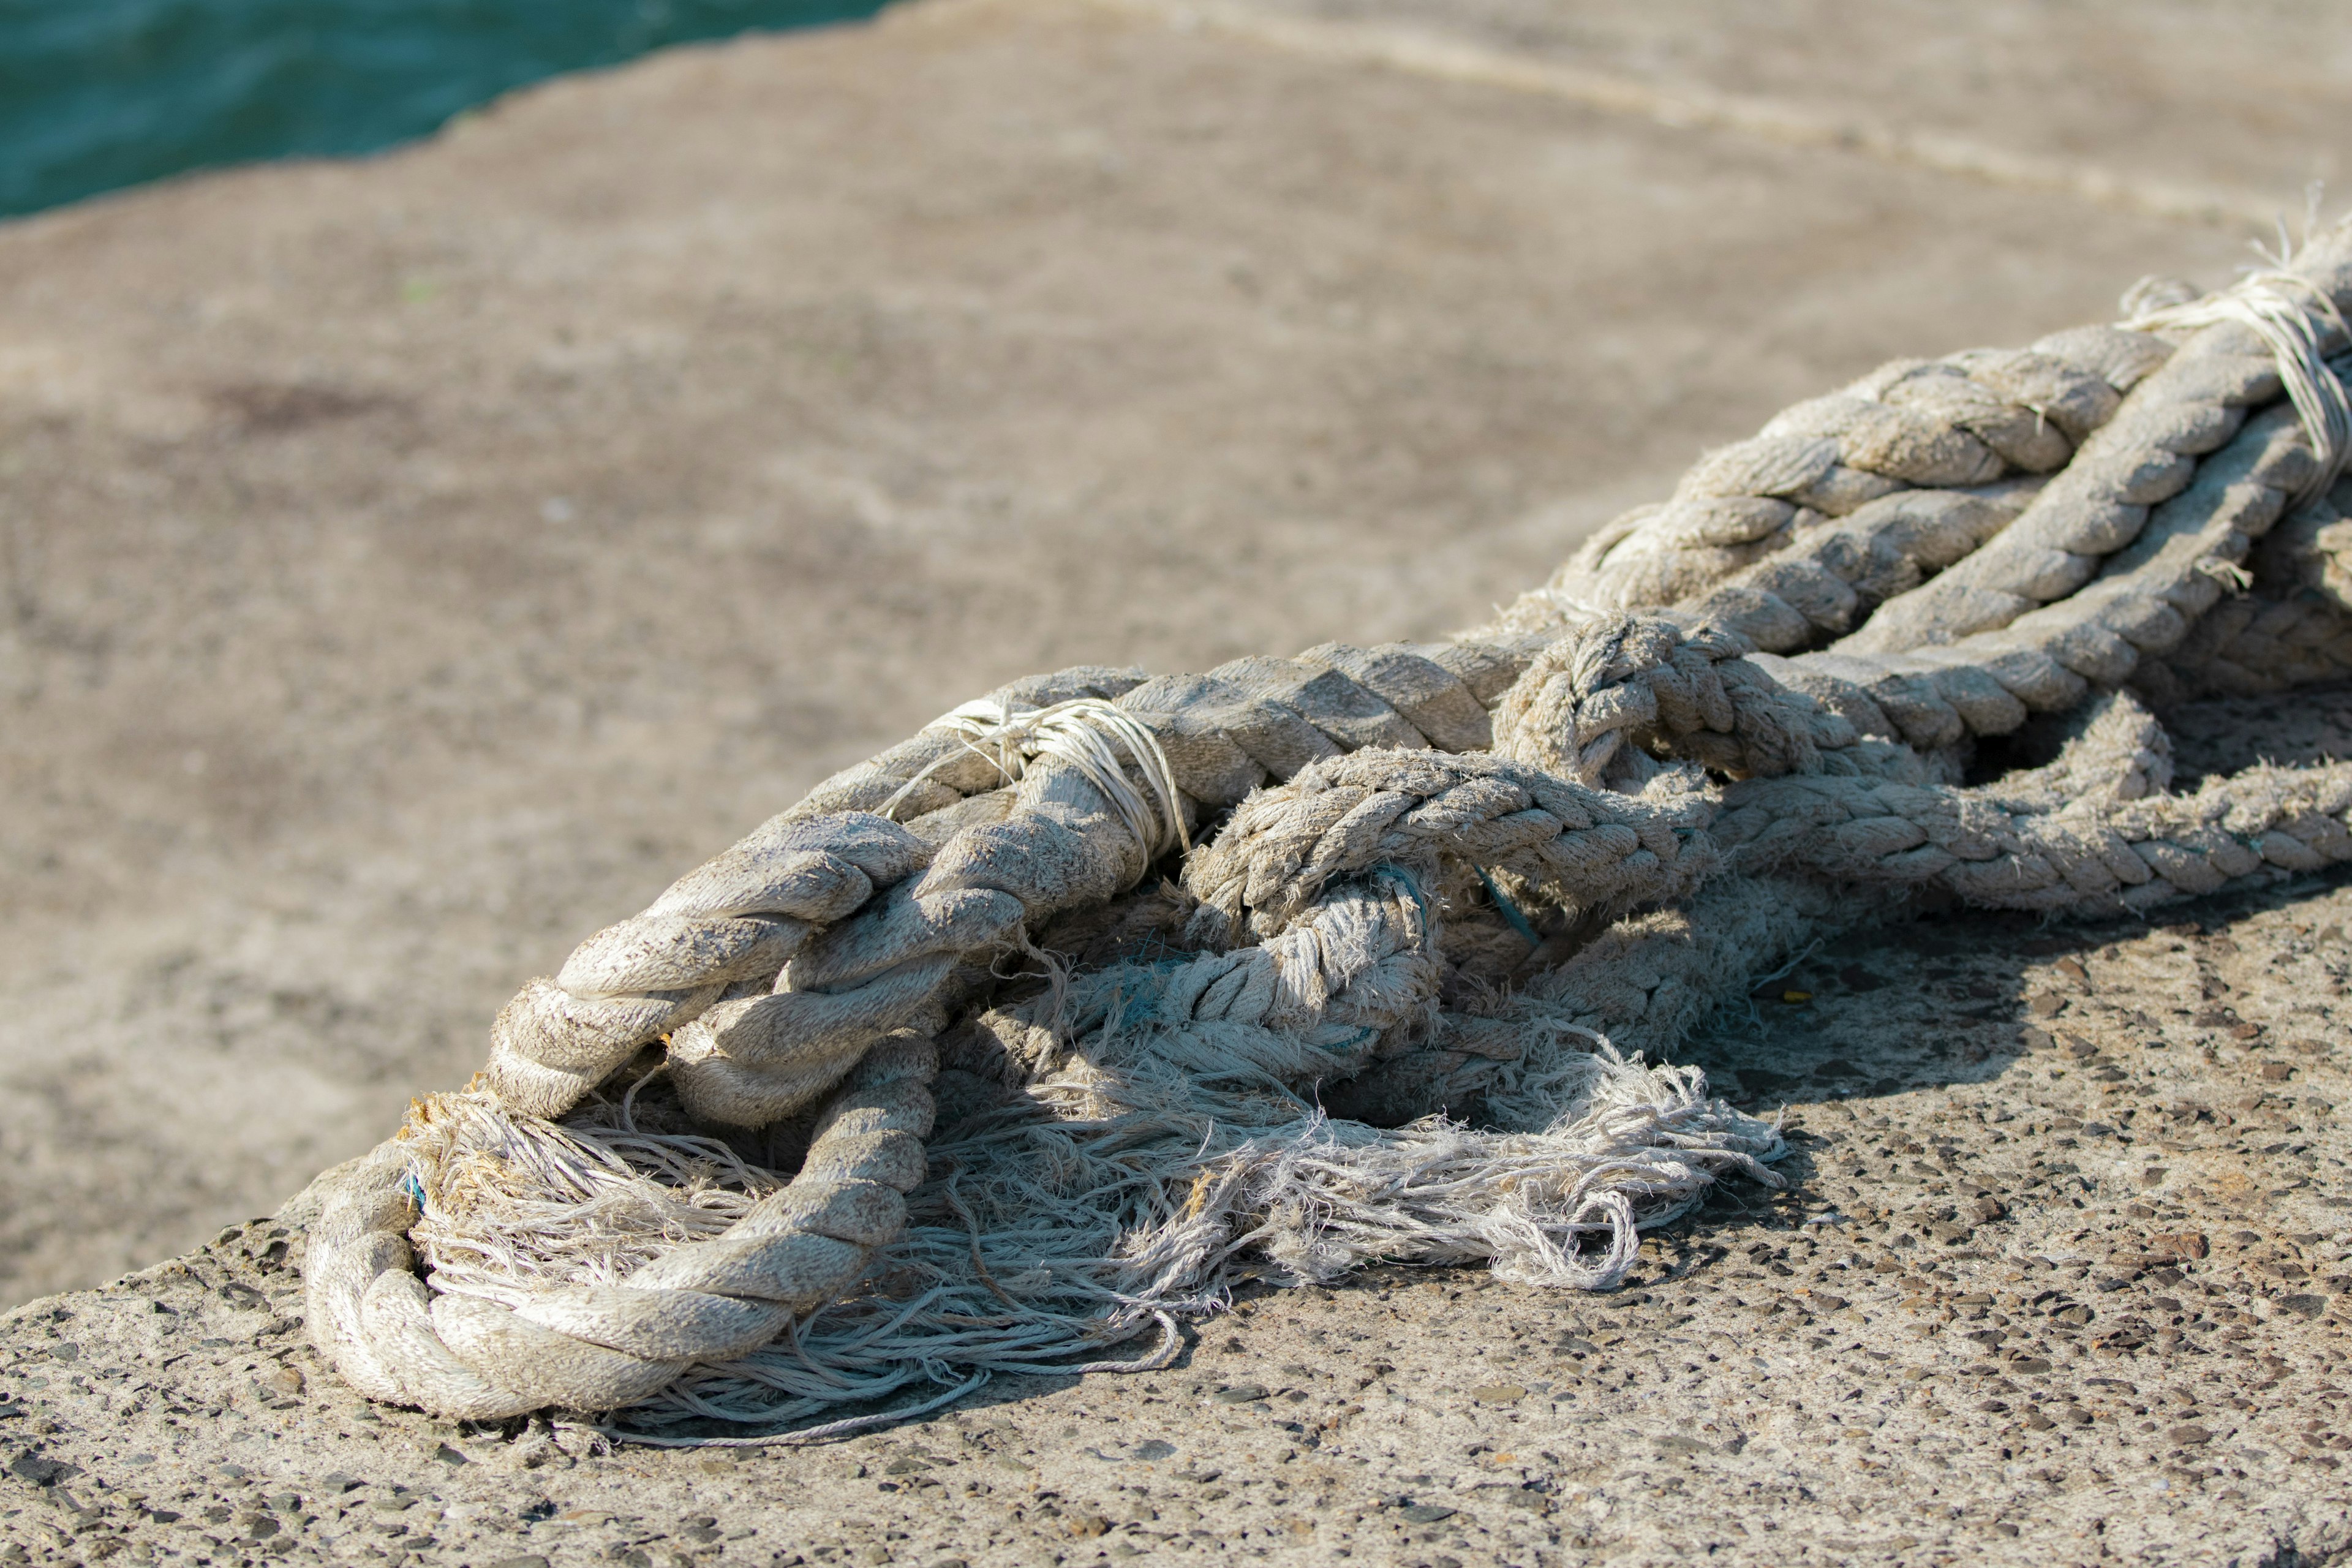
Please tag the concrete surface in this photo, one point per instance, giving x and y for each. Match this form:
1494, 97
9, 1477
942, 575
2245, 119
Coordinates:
2062, 1275
2188, 105
410, 564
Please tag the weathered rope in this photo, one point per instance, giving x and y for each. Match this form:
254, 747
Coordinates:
1587, 849
1412, 878
2045, 847
2248, 343
2300, 325
2184, 555
1072, 829
1081, 731
598, 1345
738, 917
1928, 427
1600, 701
1835, 571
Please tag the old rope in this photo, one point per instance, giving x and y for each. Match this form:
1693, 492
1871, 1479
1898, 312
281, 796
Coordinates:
1035, 1103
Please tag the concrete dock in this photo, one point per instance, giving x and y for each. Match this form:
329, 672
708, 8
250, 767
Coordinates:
411, 564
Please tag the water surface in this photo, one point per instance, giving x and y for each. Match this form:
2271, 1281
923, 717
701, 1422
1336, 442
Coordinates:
98, 94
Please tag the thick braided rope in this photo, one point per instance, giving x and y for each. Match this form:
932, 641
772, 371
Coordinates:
1609, 691
2093, 833
1060, 840
2090, 833
2081, 858
739, 917
1774, 765
1590, 849
1932, 426
1224, 732
1352, 976
2294, 625
829, 940
1653, 975
637, 983
1915, 661
2297, 320
1835, 571
601, 1346
2143, 606
2189, 405
2183, 559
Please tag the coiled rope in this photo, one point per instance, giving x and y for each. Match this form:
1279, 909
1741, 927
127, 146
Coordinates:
1394, 881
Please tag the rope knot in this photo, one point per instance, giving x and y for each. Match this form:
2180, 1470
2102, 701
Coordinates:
1598, 702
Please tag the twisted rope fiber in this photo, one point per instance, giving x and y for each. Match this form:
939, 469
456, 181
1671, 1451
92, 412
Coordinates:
1729, 725
1919, 437
2152, 586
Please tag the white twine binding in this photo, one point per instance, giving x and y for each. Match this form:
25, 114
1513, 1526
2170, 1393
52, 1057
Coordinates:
1082, 732
2294, 318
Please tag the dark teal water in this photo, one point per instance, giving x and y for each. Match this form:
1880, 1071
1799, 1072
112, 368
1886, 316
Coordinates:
98, 94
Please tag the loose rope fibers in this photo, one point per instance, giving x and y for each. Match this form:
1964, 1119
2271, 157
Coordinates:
1015, 1047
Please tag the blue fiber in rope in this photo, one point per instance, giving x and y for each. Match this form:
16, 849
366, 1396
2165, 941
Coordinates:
1511, 915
